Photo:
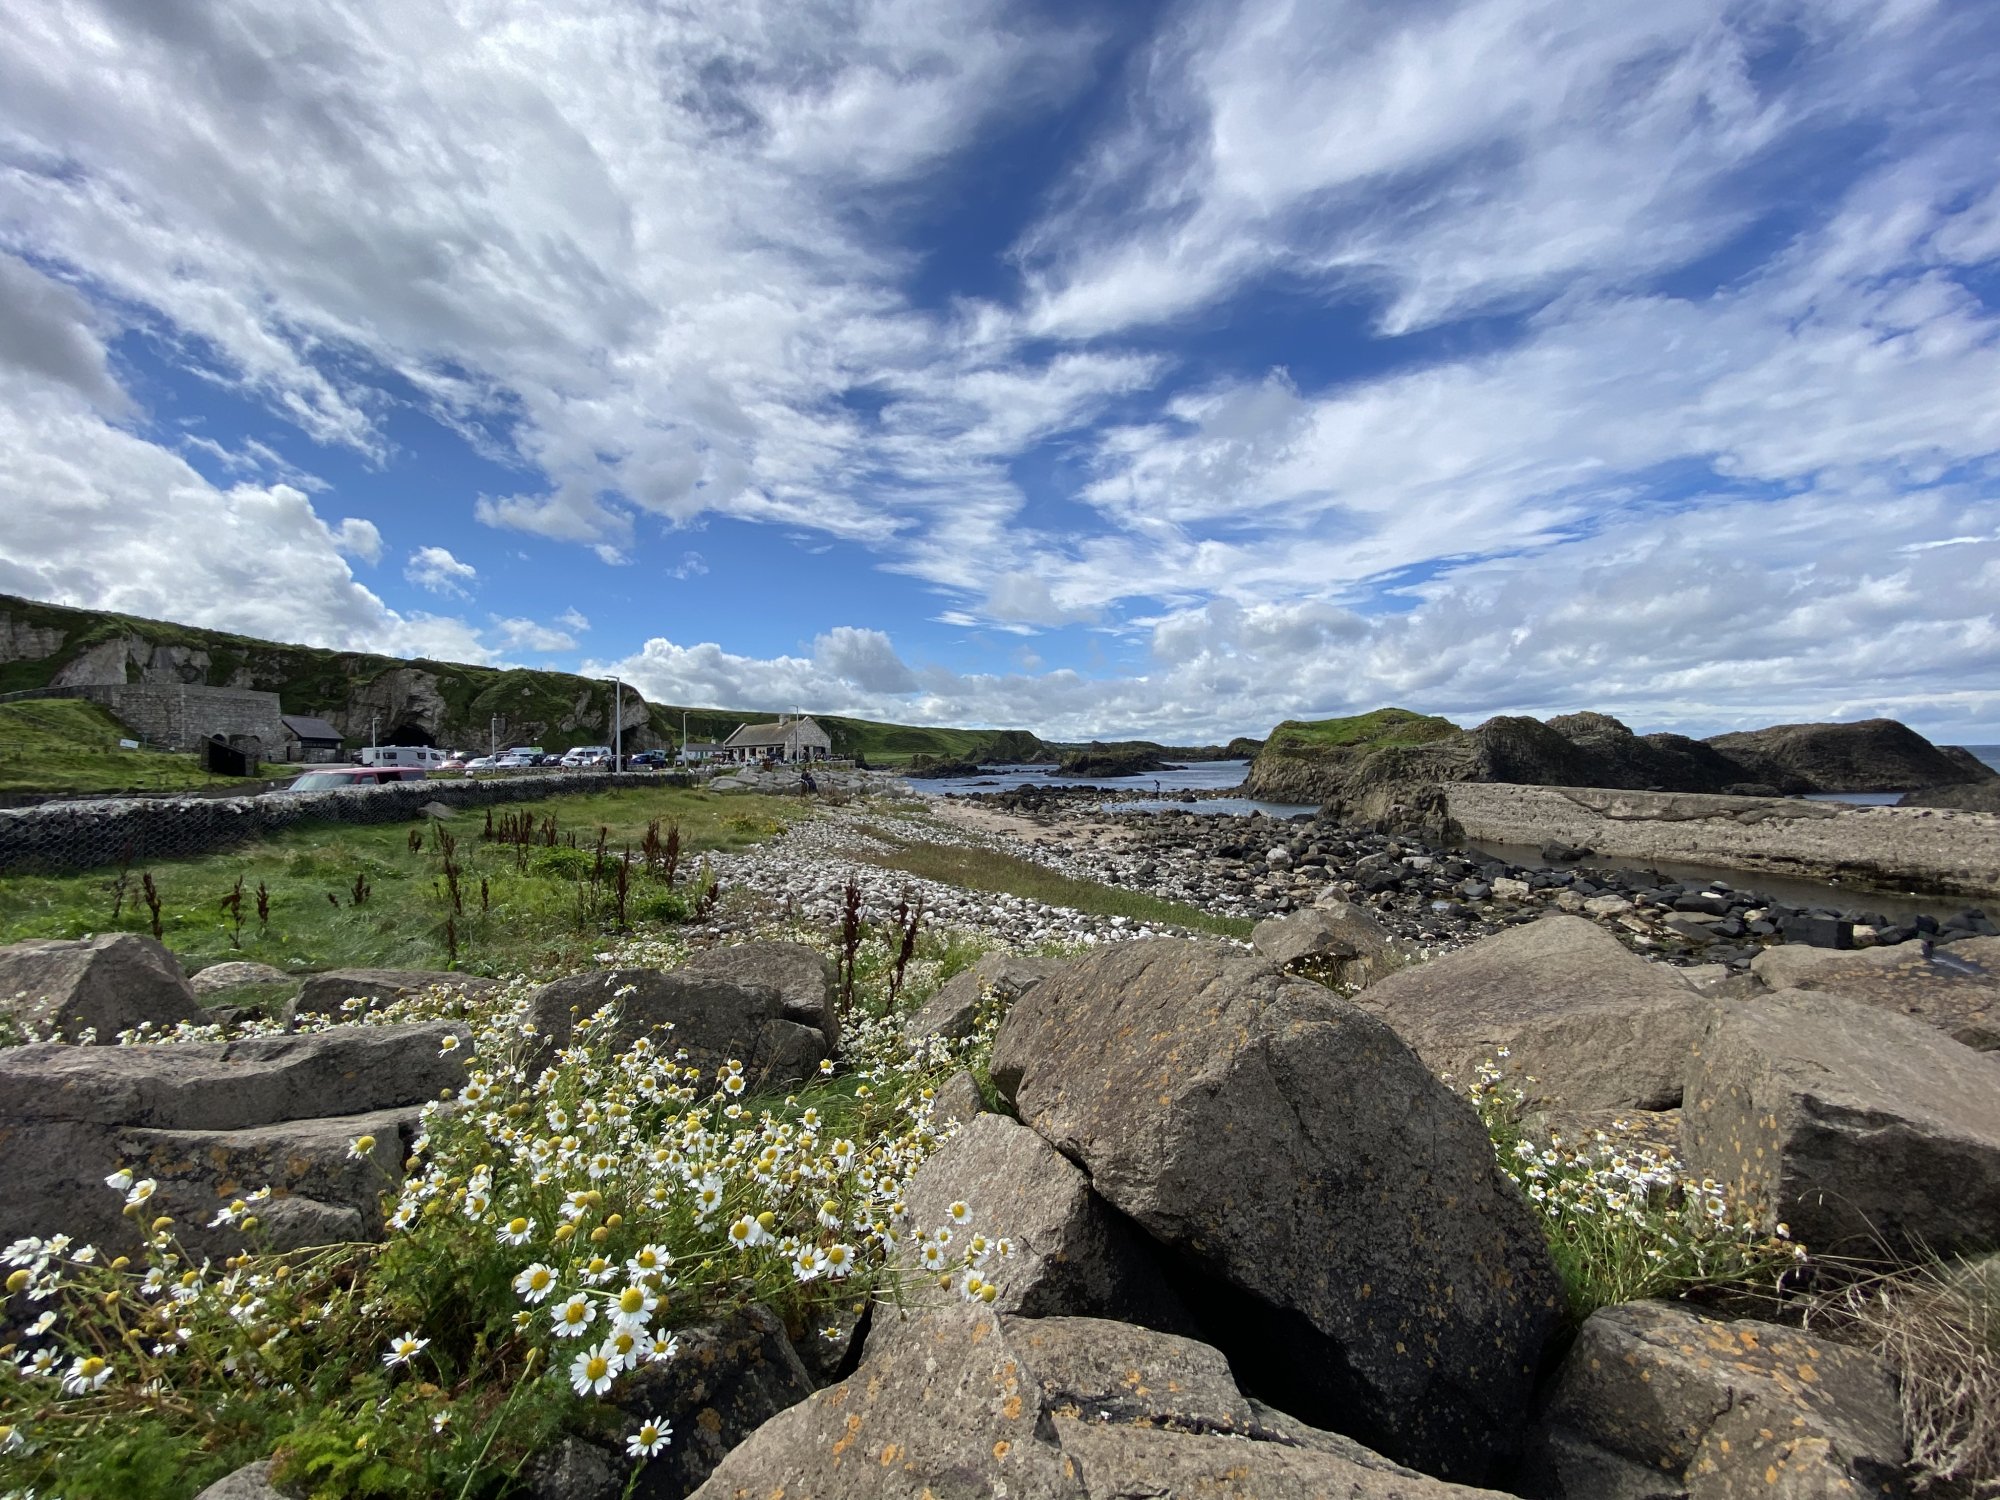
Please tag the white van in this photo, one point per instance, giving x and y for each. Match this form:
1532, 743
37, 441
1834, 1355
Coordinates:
423, 757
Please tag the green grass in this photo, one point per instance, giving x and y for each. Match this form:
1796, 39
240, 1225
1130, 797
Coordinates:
1381, 729
1004, 874
534, 918
67, 745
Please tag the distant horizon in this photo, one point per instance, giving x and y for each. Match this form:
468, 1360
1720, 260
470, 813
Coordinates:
1104, 735
1023, 364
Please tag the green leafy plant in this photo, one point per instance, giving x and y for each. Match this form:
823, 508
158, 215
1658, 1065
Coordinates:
1623, 1219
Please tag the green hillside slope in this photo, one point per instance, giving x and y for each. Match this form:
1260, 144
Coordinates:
417, 701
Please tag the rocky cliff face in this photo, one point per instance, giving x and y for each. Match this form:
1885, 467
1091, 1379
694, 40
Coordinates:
1370, 780
1874, 755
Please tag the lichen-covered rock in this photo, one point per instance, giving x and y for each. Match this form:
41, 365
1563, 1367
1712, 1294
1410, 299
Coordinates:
1864, 1130
957, 1102
104, 985
802, 976
1071, 1254
1593, 1025
946, 1408
1659, 1400
211, 1121
730, 1377
1354, 1244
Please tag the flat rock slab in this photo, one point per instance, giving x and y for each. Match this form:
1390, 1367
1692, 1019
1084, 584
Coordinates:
1138, 1463
1071, 1253
100, 985
997, 978
323, 1193
1862, 1129
1956, 989
211, 1121
1351, 1240
715, 1020
1593, 1025
802, 976
1658, 1399
328, 994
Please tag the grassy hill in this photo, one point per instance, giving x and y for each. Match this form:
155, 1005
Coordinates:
1370, 731
62, 745
450, 703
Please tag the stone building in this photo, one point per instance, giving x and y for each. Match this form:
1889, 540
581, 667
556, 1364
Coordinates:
788, 740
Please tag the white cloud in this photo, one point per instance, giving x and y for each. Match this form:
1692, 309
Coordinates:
865, 658
123, 524
661, 260
434, 568
527, 635
691, 565
358, 538
575, 619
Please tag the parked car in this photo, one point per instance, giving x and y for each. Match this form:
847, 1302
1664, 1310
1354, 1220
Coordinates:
588, 756
340, 778
481, 763
549, 760
515, 761
456, 763
647, 760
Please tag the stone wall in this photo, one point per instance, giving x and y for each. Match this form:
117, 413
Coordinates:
1898, 848
86, 835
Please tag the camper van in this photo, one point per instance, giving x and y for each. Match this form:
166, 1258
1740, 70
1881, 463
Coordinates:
423, 757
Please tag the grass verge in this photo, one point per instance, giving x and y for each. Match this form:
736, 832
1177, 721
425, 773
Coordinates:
1005, 874
337, 895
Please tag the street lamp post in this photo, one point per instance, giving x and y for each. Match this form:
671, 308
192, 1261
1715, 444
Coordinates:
617, 725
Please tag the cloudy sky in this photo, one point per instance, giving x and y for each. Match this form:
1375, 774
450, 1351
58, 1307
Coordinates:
1095, 368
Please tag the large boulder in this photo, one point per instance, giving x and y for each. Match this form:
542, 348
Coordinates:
802, 976
1593, 1025
102, 985
211, 1122
328, 994
952, 1013
251, 1482
1949, 988
1657, 1399
1350, 1240
1971, 796
1334, 942
1072, 1254
1863, 1130
716, 1020
962, 1403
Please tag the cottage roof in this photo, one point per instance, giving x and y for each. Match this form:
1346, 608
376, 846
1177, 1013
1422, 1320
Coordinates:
753, 735
309, 728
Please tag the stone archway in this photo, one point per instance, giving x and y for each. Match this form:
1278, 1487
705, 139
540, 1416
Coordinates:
409, 732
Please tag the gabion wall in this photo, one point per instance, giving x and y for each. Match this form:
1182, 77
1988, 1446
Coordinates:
87, 835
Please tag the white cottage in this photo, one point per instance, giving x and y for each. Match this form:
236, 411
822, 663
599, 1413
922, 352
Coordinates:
789, 739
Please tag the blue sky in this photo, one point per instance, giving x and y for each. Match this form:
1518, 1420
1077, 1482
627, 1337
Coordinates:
1096, 368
